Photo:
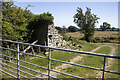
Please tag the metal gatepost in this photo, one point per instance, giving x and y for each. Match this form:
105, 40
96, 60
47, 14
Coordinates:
103, 68
18, 71
49, 64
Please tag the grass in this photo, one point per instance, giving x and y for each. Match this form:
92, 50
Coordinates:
75, 34
104, 50
93, 61
62, 55
97, 34
85, 46
43, 62
114, 67
55, 54
88, 46
106, 34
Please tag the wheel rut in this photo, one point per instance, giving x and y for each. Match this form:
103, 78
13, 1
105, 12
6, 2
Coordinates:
108, 64
75, 59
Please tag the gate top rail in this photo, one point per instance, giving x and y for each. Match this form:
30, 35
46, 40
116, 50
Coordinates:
82, 52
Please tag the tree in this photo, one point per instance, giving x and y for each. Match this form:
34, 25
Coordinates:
113, 28
14, 21
13, 26
64, 29
86, 21
59, 29
72, 29
105, 26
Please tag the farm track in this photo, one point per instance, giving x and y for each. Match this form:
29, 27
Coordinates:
110, 60
108, 64
75, 59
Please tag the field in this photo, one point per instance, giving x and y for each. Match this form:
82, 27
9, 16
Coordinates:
87, 60
97, 34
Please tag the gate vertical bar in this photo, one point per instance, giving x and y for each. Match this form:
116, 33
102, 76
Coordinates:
103, 68
49, 62
18, 68
1, 56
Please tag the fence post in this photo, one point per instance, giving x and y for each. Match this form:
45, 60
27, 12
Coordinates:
18, 68
49, 64
103, 68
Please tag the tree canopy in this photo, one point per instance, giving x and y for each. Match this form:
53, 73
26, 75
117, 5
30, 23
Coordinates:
86, 21
42, 19
14, 21
105, 26
72, 29
59, 29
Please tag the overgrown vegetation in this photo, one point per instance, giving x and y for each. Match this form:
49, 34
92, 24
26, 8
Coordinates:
14, 21
35, 26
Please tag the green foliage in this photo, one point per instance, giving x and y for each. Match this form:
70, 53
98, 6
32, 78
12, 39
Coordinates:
105, 26
14, 21
42, 19
37, 23
72, 29
59, 29
86, 22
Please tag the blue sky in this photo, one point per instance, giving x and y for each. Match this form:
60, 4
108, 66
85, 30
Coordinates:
63, 12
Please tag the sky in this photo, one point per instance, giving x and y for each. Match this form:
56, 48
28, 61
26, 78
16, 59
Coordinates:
63, 12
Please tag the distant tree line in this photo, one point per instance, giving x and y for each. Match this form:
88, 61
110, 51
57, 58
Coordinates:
105, 27
69, 29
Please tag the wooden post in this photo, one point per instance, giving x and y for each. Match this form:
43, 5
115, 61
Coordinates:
30, 46
32, 50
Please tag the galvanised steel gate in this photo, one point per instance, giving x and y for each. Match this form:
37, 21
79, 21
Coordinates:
49, 62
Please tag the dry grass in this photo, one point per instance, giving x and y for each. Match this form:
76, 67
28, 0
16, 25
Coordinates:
75, 34
97, 34
106, 33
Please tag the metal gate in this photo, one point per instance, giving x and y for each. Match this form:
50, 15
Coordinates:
49, 62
